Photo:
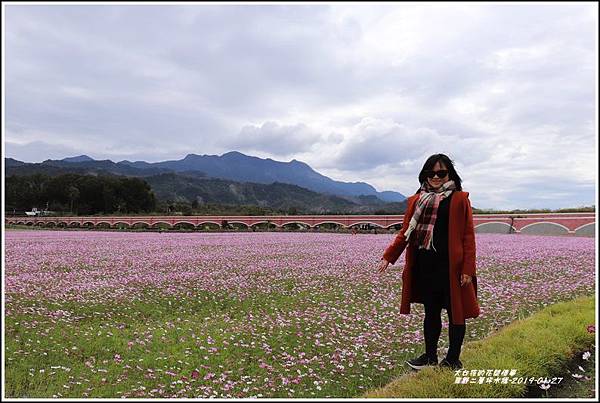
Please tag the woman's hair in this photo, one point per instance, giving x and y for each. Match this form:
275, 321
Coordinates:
444, 159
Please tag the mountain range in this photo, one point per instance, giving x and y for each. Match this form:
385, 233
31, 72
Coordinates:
239, 177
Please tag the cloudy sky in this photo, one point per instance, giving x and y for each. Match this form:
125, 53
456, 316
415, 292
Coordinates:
360, 92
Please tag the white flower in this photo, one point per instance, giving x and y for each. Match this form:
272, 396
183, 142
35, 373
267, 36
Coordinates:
545, 386
577, 376
581, 369
586, 355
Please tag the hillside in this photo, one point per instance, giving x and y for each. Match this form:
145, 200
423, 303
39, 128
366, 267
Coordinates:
233, 166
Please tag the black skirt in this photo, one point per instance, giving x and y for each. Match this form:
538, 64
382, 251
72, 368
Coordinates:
432, 278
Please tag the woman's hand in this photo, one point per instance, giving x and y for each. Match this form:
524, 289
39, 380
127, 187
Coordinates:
383, 266
465, 279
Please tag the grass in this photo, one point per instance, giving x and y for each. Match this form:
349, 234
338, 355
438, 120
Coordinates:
74, 355
541, 345
160, 341
578, 382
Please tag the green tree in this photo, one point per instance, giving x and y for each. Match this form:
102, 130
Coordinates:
73, 195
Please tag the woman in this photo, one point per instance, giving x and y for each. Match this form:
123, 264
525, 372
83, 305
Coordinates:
439, 272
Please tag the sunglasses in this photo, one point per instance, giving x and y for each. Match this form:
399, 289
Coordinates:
440, 174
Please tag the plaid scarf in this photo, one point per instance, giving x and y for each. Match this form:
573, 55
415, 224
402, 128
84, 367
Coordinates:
425, 214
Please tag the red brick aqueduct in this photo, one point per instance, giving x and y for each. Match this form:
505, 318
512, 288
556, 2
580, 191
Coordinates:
582, 224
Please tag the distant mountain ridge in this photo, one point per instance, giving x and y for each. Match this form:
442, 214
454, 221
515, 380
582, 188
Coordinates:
240, 167
79, 158
194, 188
277, 196
232, 165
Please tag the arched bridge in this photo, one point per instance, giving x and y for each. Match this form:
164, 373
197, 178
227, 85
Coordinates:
546, 223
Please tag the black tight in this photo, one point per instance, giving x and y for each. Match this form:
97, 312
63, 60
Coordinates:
433, 327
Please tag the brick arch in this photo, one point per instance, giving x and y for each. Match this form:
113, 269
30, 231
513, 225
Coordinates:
140, 222
371, 223
263, 221
588, 229
495, 227
551, 228
330, 222
154, 224
179, 222
295, 222
572, 220
208, 222
239, 222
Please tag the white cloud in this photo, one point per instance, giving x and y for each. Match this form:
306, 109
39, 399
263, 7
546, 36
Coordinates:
360, 91
274, 138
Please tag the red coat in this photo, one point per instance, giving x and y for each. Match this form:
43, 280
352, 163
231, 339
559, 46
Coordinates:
461, 249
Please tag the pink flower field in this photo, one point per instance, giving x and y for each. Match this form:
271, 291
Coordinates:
271, 314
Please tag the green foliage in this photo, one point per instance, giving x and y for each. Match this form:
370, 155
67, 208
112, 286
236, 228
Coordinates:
537, 346
186, 193
79, 194
214, 196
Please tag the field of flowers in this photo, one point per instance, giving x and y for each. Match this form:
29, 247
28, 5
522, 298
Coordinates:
109, 314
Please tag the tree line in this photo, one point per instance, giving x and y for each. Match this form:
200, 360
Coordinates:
79, 194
